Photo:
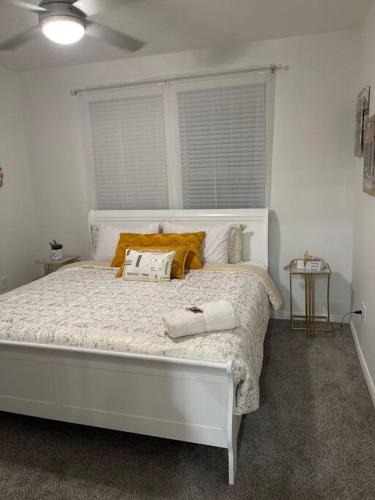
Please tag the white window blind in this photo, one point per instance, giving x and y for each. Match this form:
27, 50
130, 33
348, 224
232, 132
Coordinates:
223, 146
128, 149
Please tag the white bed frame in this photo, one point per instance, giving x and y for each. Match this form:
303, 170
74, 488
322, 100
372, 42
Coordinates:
159, 396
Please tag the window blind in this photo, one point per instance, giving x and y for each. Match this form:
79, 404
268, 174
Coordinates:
223, 146
129, 152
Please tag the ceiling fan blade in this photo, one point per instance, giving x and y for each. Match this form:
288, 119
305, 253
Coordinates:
16, 41
114, 37
92, 7
26, 5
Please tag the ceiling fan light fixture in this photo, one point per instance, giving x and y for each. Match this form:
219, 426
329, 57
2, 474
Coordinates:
63, 29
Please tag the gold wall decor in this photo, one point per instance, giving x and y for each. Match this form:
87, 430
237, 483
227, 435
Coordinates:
1, 177
369, 157
362, 112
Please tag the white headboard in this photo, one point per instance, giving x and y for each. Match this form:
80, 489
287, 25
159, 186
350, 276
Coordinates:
254, 220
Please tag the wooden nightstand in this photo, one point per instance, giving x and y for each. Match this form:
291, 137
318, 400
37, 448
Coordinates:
310, 316
51, 265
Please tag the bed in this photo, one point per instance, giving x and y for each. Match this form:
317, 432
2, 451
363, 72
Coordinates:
80, 346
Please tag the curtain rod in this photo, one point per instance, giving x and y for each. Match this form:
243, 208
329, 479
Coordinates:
258, 69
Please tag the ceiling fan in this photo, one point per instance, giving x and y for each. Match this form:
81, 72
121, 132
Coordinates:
67, 21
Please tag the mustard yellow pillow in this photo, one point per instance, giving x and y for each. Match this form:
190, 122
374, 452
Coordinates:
193, 242
178, 264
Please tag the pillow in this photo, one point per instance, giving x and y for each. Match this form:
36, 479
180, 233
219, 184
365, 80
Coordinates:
94, 233
147, 266
235, 245
108, 237
178, 264
193, 242
215, 248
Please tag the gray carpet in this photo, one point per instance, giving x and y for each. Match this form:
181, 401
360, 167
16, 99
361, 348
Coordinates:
313, 437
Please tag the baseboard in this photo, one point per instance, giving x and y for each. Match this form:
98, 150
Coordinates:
365, 370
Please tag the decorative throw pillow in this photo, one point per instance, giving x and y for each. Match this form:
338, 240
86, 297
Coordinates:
193, 242
147, 266
215, 246
178, 264
107, 237
94, 233
235, 244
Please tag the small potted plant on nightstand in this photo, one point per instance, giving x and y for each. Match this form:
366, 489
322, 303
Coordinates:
57, 251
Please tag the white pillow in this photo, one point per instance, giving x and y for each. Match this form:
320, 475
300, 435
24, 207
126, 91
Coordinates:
215, 245
148, 266
109, 235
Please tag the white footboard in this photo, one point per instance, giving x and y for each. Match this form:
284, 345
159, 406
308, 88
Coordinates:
165, 397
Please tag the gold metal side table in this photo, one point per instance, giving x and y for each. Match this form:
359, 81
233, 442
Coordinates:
310, 317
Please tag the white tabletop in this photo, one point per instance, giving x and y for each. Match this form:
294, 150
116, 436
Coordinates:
64, 260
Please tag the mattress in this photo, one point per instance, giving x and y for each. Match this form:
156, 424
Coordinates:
85, 306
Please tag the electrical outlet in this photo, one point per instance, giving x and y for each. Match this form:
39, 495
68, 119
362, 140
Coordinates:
3, 284
364, 311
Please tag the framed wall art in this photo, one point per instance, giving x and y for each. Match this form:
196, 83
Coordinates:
369, 157
362, 113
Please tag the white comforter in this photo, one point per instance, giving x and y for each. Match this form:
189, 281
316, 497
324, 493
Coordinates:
87, 307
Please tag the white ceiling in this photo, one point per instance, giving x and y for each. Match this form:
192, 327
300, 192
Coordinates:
176, 25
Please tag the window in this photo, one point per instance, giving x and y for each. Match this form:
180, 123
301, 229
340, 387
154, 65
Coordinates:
223, 146
202, 143
128, 148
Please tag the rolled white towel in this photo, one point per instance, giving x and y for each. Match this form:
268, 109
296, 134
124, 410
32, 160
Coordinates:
217, 315
182, 322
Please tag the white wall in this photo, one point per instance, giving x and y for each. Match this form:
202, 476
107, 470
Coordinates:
17, 212
364, 218
311, 198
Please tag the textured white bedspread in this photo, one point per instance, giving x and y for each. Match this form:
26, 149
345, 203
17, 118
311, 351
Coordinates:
87, 307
